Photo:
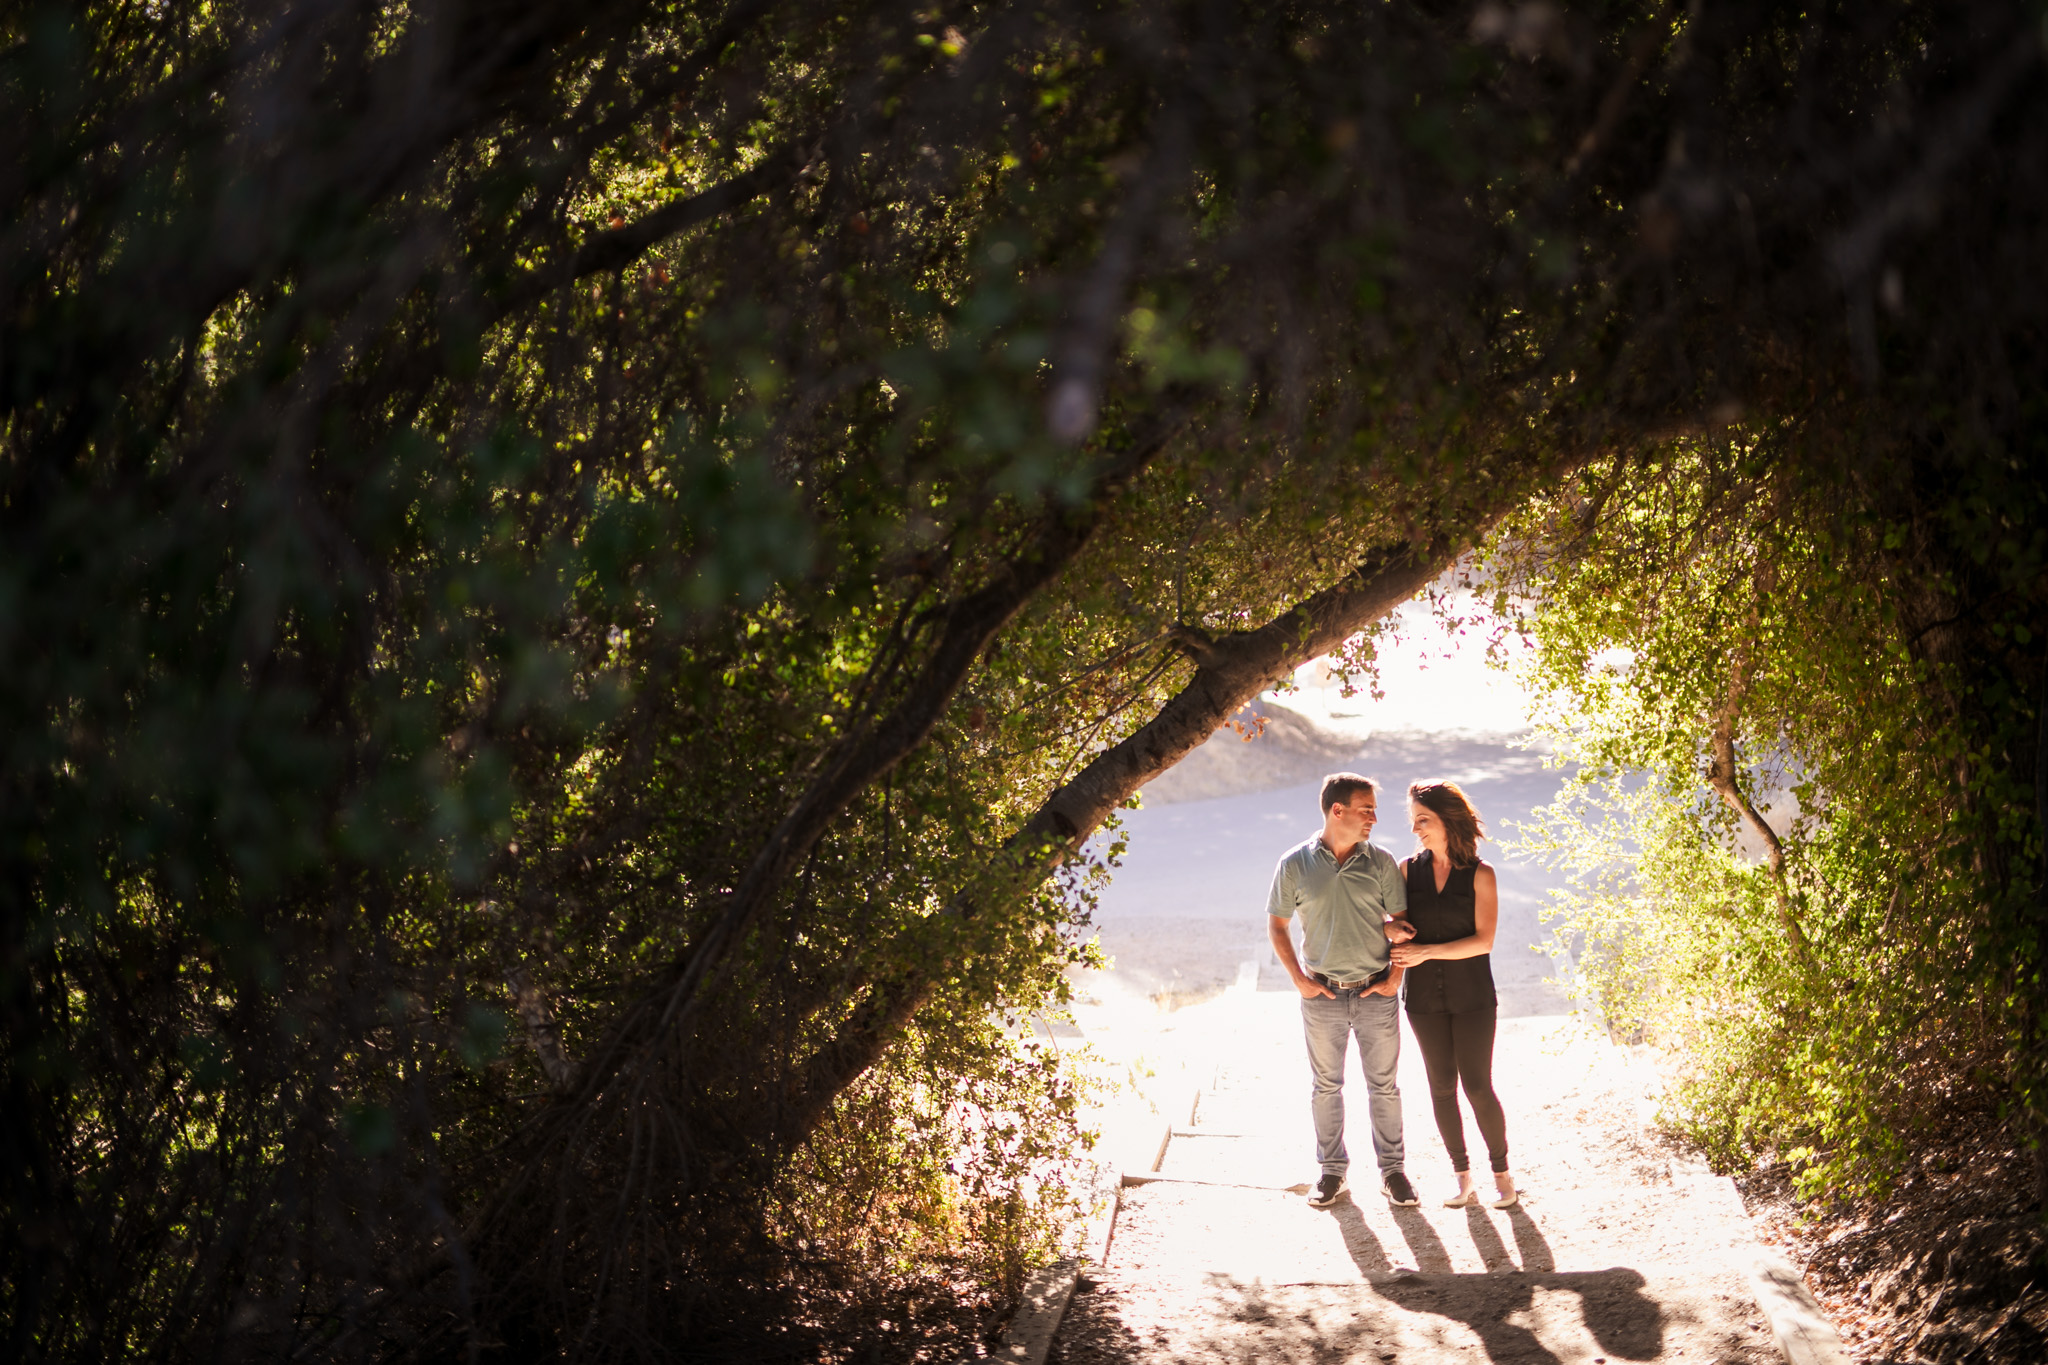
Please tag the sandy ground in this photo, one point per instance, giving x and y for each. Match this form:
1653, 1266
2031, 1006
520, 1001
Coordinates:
1617, 1253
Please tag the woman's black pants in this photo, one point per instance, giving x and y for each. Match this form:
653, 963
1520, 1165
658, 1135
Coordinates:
1459, 1047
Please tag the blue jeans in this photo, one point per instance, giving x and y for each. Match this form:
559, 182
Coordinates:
1328, 1024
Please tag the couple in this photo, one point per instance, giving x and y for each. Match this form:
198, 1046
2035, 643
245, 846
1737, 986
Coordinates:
1366, 921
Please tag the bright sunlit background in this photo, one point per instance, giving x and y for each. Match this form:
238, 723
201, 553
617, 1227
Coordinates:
1432, 676
1184, 915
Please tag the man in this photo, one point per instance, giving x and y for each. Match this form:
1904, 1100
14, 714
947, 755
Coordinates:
1348, 893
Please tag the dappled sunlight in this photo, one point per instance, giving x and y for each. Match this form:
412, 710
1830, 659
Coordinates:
1574, 1318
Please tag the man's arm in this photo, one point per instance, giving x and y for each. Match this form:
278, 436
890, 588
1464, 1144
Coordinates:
1485, 922
1281, 897
1399, 928
1394, 922
1283, 947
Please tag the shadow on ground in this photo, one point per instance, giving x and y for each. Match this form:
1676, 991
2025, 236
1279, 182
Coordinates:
1511, 1315
1427, 1251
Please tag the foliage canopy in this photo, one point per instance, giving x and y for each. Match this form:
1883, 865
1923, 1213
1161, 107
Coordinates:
574, 578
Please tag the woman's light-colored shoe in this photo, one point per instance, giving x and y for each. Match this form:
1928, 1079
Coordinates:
1505, 1201
1463, 1199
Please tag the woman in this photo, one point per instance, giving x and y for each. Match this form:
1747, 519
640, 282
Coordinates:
1454, 904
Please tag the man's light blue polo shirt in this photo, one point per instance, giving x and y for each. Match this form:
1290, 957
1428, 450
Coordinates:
1342, 935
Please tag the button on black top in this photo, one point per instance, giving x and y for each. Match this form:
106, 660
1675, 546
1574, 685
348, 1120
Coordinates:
1462, 985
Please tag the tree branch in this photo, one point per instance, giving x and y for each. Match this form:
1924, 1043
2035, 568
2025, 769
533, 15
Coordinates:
863, 757
1233, 669
1955, 136
541, 1030
1078, 369
970, 623
1721, 770
1640, 49
617, 248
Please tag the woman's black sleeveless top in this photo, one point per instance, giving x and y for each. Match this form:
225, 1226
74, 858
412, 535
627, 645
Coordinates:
1437, 987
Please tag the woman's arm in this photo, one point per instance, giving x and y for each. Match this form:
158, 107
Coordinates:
1485, 919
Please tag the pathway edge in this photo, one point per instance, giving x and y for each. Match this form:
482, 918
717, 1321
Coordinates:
1045, 1298
1042, 1306
1802, 1328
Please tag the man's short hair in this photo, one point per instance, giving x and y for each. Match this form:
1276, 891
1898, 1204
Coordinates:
1339, 788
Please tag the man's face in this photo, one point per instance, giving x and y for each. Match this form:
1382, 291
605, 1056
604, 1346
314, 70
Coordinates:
1356, 817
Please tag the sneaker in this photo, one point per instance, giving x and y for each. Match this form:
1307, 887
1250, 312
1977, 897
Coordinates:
1328, 1191
1399, 1191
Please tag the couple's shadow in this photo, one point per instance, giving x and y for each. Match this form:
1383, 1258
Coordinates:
1427, 1250
1628, 1325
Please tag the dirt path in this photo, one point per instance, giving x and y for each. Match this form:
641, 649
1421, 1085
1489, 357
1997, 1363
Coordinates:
1616, 1254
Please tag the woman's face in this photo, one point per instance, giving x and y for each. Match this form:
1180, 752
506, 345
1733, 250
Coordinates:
1429, 830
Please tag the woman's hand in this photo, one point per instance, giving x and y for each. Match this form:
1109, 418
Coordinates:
1408, 954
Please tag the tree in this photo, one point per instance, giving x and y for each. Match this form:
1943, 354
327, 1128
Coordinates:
650, 533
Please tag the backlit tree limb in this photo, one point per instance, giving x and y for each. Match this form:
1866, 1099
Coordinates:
966, 626
1721, 770
1231, 671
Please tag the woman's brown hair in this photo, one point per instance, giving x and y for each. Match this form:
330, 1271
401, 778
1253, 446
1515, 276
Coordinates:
1449, 804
